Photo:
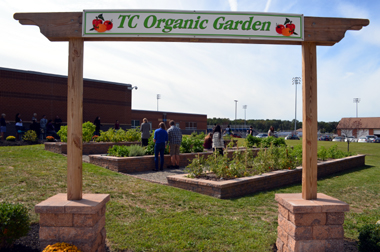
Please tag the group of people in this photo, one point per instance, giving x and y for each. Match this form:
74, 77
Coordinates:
161, 138
44, 128
214, 141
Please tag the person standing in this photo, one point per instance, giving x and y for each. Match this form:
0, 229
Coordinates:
271, 131
250, 131
19, 126
43, 123
145, 132
57, 123
97, 125
175, 139
160, 139
3, 126
117, 125
34, 118
217, 140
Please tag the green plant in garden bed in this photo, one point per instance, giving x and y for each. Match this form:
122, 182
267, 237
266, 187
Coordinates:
126, 151
14, 223
30, 135
111, 135
267, 159
252, 141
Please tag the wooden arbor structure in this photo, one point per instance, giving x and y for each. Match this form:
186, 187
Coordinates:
67, 26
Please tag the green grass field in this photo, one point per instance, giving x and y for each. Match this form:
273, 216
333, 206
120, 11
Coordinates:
143, 216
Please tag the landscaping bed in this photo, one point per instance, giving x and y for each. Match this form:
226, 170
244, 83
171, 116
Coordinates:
88, 148
146, 163
232, 188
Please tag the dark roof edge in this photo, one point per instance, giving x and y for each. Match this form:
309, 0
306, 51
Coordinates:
140, 110
61, 76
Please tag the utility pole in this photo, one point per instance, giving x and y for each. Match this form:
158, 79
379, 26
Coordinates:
158, 97
296, 81
356, 100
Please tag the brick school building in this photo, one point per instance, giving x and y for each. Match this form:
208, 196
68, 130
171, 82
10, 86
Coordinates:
28, 92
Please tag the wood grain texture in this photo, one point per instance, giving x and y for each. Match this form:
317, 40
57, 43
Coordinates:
309, 121
61, 26
74, 120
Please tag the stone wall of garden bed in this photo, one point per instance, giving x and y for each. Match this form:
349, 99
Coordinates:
146, 163
243, 186
88, 148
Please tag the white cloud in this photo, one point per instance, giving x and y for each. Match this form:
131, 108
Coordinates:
267, 6
233, 5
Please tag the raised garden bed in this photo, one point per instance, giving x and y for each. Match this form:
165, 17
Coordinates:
145, 163
238, 187
88, 148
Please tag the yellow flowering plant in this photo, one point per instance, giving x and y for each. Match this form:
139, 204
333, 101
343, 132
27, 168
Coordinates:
61, 247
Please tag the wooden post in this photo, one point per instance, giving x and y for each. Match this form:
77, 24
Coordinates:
309, 121
75, 119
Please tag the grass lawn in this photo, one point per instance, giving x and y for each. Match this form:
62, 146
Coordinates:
143, 216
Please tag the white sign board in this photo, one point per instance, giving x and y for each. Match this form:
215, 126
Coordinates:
192, 24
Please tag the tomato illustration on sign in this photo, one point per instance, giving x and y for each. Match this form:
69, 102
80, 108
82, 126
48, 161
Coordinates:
99, 26
287, 29
108, 24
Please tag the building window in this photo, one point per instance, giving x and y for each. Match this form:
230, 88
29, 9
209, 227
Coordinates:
135, 124
191, 125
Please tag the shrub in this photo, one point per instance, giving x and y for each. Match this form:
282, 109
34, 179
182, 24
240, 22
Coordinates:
133, 135
30, 135
118, 151
62, 133
369, 238
14, 223
197, 145
11, 138
186, 145
322, 153
136, 150
88, 129
126, 151
252, 141
61, 247
196, 167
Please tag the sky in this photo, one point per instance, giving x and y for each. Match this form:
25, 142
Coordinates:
207, 78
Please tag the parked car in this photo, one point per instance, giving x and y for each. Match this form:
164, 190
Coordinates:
362, 140
377, 140
338, 139
371, 139
367, 139
351, 139
325, 138
262, 135
292, 137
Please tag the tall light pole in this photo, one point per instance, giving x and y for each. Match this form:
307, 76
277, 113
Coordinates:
356, 100
296, 81
235, 109
245, 115
158, 97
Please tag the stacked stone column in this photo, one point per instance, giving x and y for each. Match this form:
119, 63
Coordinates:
79, 222
310, 225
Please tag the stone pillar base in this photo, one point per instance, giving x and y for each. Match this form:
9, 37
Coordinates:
78, 222
310, 225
